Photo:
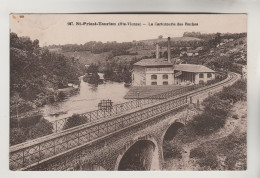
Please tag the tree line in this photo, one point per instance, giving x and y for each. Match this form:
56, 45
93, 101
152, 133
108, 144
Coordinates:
36, 74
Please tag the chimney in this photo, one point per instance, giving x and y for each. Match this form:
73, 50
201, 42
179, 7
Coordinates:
157, 51
169, 49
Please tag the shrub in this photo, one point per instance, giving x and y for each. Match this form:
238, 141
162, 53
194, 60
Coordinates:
17, 136
29, 128
215, 106
29, 121
74, 121
197, 153
206, 123
231, 94
209, 161
241, 85
42, 128
236, 146
236, 92
170, 150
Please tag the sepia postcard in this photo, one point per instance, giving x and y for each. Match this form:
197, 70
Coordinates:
128, 92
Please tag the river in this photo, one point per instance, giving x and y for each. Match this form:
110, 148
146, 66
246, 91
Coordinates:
86, 100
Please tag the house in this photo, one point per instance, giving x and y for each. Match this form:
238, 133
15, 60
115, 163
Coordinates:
193, 74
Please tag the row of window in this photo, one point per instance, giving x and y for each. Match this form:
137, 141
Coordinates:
201, 75
154, 77
209, 75
159, 69
155, 83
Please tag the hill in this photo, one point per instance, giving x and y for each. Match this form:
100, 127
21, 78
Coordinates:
229, 55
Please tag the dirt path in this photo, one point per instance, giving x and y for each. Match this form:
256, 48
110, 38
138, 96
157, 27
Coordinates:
231, 125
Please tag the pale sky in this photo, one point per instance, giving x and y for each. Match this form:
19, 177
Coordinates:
53, 29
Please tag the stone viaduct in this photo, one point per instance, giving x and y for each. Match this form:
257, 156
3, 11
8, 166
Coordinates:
137, 143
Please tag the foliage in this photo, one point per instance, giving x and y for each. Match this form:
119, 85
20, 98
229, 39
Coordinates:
231, 150
17, 136
234, 93
92, 69
215, 106
209, 161
29, 128
197, 153
236, 150
74, 121
206, 123
92, 78
117, 73
42, 128
36, 73
170, 150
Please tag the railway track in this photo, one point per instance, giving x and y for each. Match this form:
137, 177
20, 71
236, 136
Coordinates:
232, 77
33, 152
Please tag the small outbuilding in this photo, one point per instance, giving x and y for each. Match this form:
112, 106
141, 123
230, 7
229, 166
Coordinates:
193, 74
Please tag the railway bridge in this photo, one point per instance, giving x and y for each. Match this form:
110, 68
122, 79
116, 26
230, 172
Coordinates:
131, 140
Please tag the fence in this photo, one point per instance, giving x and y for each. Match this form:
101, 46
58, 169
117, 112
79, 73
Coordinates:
37, 151
92, 116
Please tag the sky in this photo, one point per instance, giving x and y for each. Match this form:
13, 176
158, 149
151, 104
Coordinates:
54, 29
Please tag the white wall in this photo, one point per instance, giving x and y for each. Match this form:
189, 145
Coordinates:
205, 78
138, 76
159, 79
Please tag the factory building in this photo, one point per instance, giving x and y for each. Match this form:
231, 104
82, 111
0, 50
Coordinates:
156, 71
161, 71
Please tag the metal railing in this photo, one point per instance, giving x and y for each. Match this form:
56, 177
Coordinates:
38, 151
92, 116
96, 115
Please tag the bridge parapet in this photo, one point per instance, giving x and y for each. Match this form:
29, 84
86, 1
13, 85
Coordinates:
47, 147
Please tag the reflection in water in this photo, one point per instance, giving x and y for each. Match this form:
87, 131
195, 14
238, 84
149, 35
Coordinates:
86, 100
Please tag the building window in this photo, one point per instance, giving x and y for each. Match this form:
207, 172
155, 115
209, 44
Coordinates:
209, 75
153, 77
165, 83
165, 76
154, 83
201, 76
201, 82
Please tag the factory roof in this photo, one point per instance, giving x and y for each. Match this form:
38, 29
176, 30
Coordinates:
192, 68
138, 92
153, 62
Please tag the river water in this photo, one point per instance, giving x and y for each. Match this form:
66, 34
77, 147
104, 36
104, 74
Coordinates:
86, 100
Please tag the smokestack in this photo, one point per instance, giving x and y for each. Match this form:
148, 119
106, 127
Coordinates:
169, 49
157, 51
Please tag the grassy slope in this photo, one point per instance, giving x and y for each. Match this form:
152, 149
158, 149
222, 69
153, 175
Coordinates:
230, 151
223, 150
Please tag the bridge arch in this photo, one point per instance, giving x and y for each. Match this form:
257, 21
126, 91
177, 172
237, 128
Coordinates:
142, 154
172, 130
169, 134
